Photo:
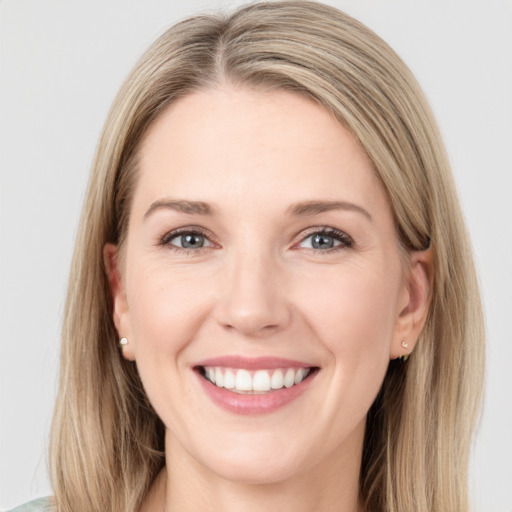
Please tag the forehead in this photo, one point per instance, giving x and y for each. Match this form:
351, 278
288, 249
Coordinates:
225, 144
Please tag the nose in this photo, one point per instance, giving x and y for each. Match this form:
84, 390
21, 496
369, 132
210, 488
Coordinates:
253, 298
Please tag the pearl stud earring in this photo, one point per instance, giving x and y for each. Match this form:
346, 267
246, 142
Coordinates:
123, 342
404, 357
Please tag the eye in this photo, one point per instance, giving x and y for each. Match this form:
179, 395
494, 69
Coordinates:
188, 240
326, 239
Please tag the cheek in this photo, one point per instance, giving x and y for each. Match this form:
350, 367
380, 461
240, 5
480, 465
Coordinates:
353, 314
353, 310
166, 309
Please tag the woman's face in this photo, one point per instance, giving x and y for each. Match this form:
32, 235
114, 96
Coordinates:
261, 254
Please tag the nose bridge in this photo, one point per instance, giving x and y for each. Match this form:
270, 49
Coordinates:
254, 301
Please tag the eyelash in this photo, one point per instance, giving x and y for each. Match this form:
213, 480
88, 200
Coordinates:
166, 240
345, 240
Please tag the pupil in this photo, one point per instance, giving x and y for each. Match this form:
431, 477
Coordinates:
322, 242
191, 241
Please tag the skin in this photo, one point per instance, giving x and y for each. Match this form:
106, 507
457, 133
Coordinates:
258, 288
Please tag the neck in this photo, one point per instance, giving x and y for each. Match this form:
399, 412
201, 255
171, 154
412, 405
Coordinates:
186, 485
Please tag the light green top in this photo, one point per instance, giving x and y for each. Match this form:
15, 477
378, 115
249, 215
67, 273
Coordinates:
39, 505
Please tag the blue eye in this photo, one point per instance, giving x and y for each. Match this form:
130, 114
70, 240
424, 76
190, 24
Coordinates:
322, 240
189, 240
326, 239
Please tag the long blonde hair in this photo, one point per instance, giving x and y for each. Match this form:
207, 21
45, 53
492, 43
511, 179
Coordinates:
107, 442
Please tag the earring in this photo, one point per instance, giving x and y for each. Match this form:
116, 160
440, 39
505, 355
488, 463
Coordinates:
404, 357
123, 342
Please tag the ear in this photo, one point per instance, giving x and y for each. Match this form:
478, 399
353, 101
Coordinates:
121, 313
414, 303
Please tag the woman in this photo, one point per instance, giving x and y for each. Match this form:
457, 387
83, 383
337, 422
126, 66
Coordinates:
272, 235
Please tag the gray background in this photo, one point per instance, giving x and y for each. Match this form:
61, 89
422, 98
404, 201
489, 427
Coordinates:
61, 64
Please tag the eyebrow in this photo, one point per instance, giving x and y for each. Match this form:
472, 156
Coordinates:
315, 207
189, 207
304, 208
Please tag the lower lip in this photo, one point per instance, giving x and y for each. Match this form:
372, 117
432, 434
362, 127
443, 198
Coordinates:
252, 404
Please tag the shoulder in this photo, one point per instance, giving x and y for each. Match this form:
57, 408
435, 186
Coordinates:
39, 505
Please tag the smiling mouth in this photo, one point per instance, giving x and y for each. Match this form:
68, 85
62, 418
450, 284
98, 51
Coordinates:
243, 381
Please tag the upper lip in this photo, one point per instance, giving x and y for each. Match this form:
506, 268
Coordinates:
253, 363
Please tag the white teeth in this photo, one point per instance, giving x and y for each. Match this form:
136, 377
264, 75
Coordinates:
277, 380
229, 379
260, 381
243, 381
219, 378
289, 378
299, 375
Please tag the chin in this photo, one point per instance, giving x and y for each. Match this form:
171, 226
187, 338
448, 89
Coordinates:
256, 471
257, 461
